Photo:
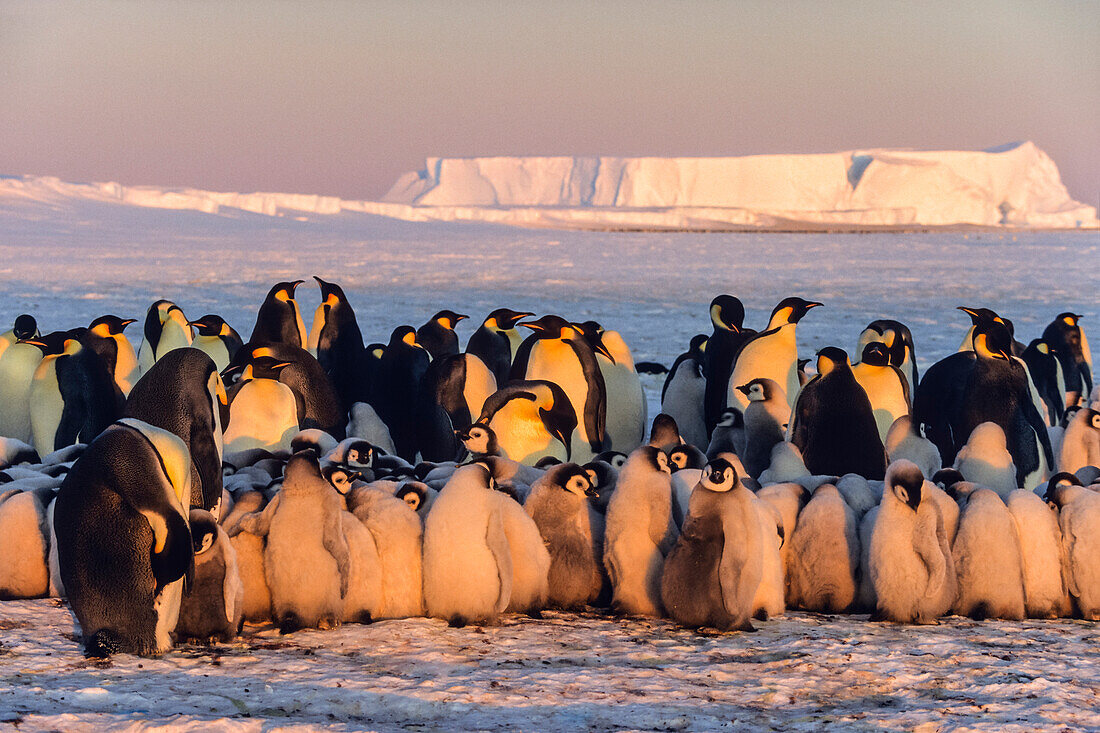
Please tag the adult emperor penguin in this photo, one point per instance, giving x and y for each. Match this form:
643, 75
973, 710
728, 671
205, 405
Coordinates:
833, 424
908, 566
641, 531
183, 394
496, 341
967, 388
279, 319
105, 337
570, 526
1046, 374
216, 338
1067, 339
987, 559
711, 576
395, 388
123, 541
1080, 444
165, 329
337, 342
886, 386
824, 556
24, 327
1045, 592
684, 391
558, 352
212, 607
307, 558
766, 420
727, 315
438, 336
531, 420
452, 393
18, 363
1079, 519
263, 412
899, 346
467, 562
772, 353
306, 378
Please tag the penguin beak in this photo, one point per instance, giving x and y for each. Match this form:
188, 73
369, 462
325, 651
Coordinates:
519, 317
744, 389
532, 326
601, 349
126, 322
813, 304
294, 285
591, 492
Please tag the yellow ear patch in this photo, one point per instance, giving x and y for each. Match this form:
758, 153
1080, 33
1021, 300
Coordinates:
102, 330
492, 323
1069, 321
716, 314
283, 296
263, 351
332, 300
410, 338
247, 374
1043, 348
785, 314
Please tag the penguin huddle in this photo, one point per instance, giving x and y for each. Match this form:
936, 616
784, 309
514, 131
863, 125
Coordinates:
305, 479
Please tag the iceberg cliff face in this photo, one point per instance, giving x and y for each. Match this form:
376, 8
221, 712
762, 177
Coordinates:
1014, 185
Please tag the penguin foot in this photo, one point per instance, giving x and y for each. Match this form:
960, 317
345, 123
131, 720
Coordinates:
761, 614
981, 612
363, 617
456, 621
877, 615
329, 622
746, 626
289, 623
535, 614
102, 644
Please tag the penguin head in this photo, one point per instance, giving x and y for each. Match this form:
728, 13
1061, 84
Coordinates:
551, 327
1093, 417
303, 464
332, 294
981, 315
204, 530
791, 310
875, 354
731, 417
992, 341
26, 327
504, 319
719, 475
698, 345
359, 454
613, 458
655, 458
945, 478
664, 433
600, 474
340, 477
830, 358
685, 456
1057, 493
263, 367
547, 462
479, 439
210, 325
284, 291
413, 493
107, 326
593, 336
757, 390
727, 313
572, 478
54, 343
905, 480
448, 319
403, 336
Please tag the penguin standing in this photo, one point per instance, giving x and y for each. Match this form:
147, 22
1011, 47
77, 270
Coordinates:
987, 559
985, 460
212, 607
165, 329
626, 402
766, 419
123, 541
263, 412
396, 386
684, 391
727, 315
1067, 339
1045, 593
453, 390
279, 319
398, 535
216, 338
24, 544
899, 346
307, 558
530, 558
640, 532
558, 352
1046, 372
337, 342
1079, 519
711, 576
559, 505
105, 337
18, 363
496, 342
467, 561
1080, 444
530, 420
885, 385
438, 336
824, 557
772, 353
833, 424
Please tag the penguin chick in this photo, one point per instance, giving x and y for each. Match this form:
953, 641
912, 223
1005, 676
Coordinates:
213, 607
985, 460
530, 558
1045, 594
1079, 519
987, 559
786, 465
683, 393
398, 534
560, 507
728, 435
770, 598
24, 545
766, 419
824, 559
903, 442
1080, 444
641, 531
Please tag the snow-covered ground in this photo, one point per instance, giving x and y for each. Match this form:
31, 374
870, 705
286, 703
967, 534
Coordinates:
70, 261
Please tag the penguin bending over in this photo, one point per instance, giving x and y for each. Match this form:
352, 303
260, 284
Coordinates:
684, 391
530, 420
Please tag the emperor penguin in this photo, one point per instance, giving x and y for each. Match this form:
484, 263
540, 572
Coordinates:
626, 402
337, 342
903, 442
886, 386
213, 606
106, 338
24, 544
985, 460
396, 386
496, 341
684, 390
530, 558
306, 559
788, 499
1046, 374
24, 327
987, 559
364, 424
907, 564
1079, 520
363, 600
124, 546
728, 434
452, 393
1067, 339
263, 412
833, 423
711, 576
183, 394
530, 420
438, 336
320, 405
772, 353
216, 338
165, 329
279, 319
558, 352
571, 527
640, 532
467, 561
18, 363
786, 465
1080, 444
249, 549
766, 420
770, 599
899, 345
824, 556
1041, 553
727, 315
398, 534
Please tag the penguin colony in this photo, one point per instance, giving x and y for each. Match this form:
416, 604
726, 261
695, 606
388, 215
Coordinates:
308, 479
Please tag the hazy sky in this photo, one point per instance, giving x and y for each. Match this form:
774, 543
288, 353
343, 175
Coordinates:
342, 97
